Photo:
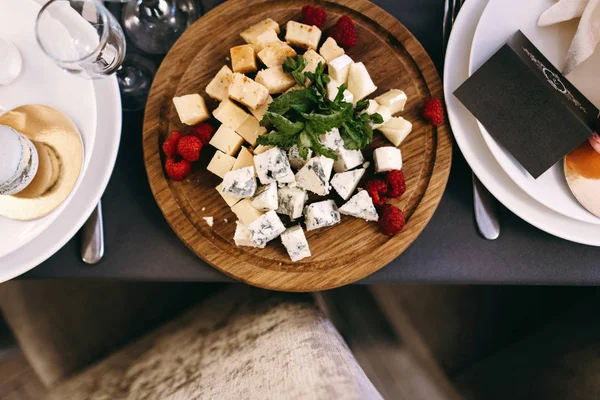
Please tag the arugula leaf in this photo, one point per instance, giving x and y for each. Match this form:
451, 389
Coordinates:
282, 124
303, 100
295, 66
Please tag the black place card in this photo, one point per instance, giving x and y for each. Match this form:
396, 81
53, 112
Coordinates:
528, 106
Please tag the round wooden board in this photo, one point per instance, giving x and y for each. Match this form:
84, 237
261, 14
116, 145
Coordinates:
343, 253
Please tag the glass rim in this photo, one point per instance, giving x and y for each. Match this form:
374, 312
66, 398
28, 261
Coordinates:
101, 10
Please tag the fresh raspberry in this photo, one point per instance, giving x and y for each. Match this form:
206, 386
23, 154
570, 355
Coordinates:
395, 180
177, 170
391, 219
434, 111
203, 131
170, 145
344, 32
189, 148
313, 16
377, 189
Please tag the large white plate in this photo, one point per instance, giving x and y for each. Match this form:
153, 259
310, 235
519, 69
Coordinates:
479, 156
41, 82
500, 20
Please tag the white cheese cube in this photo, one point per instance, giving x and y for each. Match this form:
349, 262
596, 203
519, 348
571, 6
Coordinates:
312, 60
275, 79
291, 201
332, 91
220, 164
347, 159
372, 108
226, 140
243, 59
240, 183
265, 39
250, 130
393, 99
243, 237
387, 159
273, 165
247, 92
345, 183
260, 149
191, 109
230, 114
244, 159
339, 68
360, 206
230, 200
251, 34
359, 81
266, 228
396, 130
313, 177
259, 112
332, 139
321, 214
218, 88
302, 35
330, 50
275, 53
265, 198
385, 113
296, 161
295, 243
327, 164
245, 212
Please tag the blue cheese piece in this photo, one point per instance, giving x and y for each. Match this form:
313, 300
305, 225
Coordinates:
321, 214
332, 139
295, 243
314, 176
291, 201
360, 206
243, 237
345, 183
327, 164
347, 159
273, 165
265, 198
266, 228
239, 183
387, 159
296, 161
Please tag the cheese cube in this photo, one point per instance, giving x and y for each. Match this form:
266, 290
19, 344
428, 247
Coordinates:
240, 183
218, 88
387, 159
291, 201
275, 79
339, 68
295, 243
393, 99
265, 198
332, 91
396, 130
260, 149
312, 60
244, 211
327, 164
273, 165
345, 183
243, 237
251, 34
332, 139
230, 200
275, 54
191, 109
347, 159
266, 228
313, 177
296, 161
247, 92
360, 206
243, 59
265, 39
244, 159
385, 113
372, 108
330, 50
321, 214
259, 112
226, 140
230, 114
359, 81
220, 164
302, 35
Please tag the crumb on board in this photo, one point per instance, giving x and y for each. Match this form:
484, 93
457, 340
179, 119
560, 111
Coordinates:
203, 208
209, 220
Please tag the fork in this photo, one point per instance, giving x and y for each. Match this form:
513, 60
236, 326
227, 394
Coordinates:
484, 204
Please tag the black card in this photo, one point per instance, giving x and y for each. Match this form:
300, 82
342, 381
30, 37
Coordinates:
528, 106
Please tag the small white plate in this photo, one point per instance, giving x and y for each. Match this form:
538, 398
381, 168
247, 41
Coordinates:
500, 20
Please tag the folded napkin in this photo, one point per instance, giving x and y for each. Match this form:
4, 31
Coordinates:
588, 32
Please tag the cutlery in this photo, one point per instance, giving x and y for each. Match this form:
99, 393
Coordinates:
92, 237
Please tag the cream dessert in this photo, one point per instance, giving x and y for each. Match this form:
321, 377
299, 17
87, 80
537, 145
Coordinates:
18, 161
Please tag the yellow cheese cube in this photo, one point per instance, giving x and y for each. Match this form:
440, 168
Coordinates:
312, 60
247, 91
230, 114
250, 130
261, 149
220, 164
265, 39
244, 159
250, 35
243, 59
275, 54
245, 212
394, 99
191, 109
259, 112
218, 88
330, 50
275, 79
226, 140
302, 35
230, 200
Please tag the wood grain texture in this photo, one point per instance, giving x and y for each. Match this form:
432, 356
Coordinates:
343, 253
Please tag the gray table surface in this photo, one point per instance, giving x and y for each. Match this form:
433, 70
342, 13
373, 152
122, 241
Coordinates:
141, 246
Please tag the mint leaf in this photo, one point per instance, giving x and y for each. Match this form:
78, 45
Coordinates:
322, 123
377, 118
282, 124
340, 94
319, 79
361, 105
279, 139
318, 147
295, 66
303, 100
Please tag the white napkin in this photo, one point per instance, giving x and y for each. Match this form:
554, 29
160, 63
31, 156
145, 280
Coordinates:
588, 32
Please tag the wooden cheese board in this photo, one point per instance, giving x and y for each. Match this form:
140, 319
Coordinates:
343, 253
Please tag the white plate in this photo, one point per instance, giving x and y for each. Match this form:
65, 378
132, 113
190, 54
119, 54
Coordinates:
500, 20
478, 155
41, 82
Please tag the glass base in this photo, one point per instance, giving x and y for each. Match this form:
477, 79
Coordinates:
135, 79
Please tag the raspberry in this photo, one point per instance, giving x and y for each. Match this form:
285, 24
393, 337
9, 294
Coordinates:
203, 131
344, 32
189, 148
391, 219
169, 146
177, 170
313, 16
395, 180
377, 189
433, 111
